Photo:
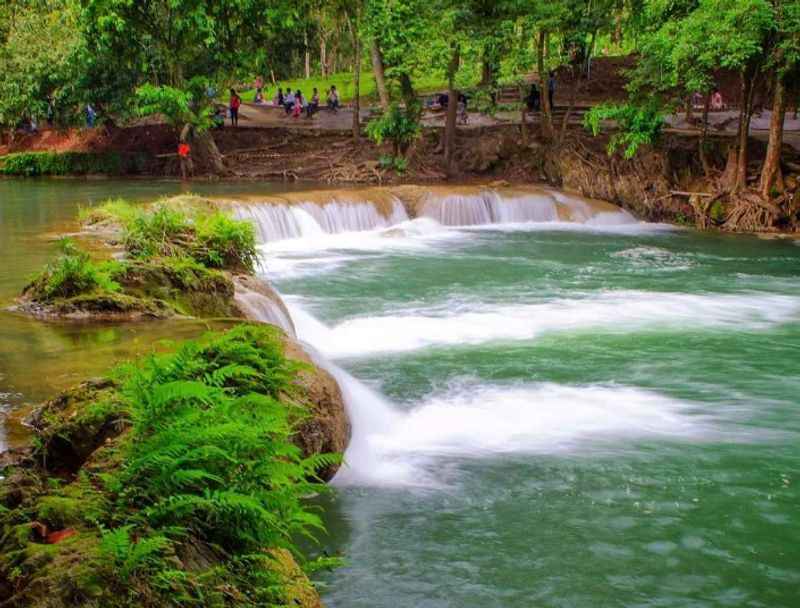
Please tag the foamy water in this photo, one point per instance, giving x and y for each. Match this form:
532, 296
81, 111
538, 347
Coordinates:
621, 311
413, 444
390, 447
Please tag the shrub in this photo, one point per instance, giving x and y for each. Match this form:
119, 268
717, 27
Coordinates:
193, 500
398, 126
73, 273
32, 164
223, 242
210, 447
169, 229
161, 231
636, 125
113, 210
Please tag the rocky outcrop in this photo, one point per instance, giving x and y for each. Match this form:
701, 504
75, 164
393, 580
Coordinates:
327, 428
147, 290
256, 300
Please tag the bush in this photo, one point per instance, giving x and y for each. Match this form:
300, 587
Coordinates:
397, 126
33, 164
223, 242
113, 210
212, 239
73, 273
190, 498
211, 452
636, 125
161, 231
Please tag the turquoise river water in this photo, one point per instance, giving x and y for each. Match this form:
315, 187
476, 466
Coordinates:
544, 413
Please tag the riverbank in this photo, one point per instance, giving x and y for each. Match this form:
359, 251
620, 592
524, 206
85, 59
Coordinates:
669, 182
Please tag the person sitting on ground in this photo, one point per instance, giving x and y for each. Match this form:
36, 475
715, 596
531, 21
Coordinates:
313, 105
333, 99
534, 99
235, 103
716, 101
297, 110
288, 101
277, 101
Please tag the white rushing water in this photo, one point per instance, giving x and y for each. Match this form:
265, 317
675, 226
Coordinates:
492, 207
314, 220
259, 306
276, 222
393, 446
623, 311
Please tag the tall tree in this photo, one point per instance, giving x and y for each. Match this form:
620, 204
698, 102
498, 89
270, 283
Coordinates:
784, 45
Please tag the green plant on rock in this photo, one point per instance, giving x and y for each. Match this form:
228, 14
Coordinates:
162, 231
196, 501
396, 125
223, 242
73, 273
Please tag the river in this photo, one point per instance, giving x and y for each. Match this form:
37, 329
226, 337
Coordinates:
544, 413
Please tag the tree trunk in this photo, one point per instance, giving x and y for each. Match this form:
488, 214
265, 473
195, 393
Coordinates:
356, 82
452, 107
323, 59
207, 155
771, 175
307, 55
745, 115
380, 77
703, 135
547, 120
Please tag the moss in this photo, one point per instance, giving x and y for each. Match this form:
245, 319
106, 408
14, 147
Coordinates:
76, 423
182, 284
104, 534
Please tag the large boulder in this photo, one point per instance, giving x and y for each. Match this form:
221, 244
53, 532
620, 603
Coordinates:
327, 429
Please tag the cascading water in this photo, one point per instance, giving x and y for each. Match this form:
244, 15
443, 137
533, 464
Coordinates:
259, 307
304, 219
276, 222
514, 207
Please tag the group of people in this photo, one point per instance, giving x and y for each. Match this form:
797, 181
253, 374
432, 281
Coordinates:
294, 103
534, 99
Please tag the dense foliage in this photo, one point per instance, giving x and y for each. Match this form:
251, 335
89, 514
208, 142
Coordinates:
32, 164
195, 484
636, 126
175, 250
73, 273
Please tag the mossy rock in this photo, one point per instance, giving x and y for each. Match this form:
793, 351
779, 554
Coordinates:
187, 288
71, 427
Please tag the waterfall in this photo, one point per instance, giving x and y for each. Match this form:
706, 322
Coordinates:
305, 219
260, 307
490, 207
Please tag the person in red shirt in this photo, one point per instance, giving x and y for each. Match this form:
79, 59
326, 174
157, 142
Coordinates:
235, 102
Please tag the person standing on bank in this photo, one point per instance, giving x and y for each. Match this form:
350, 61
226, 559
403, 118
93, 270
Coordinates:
234, 105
